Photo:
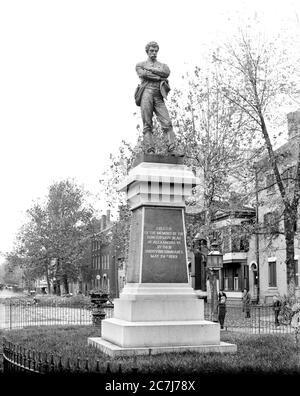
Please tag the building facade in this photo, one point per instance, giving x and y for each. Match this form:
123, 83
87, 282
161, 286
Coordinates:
270, 258
228, 225
230, 229
258, 262
104, 262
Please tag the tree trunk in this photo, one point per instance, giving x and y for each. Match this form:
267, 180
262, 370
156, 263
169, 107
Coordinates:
58, 287
66, 284
289, 223
48, 280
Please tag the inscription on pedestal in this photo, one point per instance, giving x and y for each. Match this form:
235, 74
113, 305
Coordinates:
164, 251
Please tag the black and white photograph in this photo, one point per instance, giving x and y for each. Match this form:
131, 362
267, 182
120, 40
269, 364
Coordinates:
149, 210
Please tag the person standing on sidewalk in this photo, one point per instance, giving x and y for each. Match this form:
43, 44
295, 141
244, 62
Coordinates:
222, 308
276, 307
246, 299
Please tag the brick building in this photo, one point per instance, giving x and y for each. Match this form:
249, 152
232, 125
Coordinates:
270, 246
104, 261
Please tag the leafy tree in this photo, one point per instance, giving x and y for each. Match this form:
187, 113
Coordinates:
69, 221
12, 274
54, 240
118, 168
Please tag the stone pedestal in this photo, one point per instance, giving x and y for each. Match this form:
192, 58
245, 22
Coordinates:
158, 310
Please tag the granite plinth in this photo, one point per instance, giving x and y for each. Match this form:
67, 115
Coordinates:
116, 351
159, 333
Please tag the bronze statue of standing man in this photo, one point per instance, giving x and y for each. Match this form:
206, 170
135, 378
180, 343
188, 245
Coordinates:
150, 96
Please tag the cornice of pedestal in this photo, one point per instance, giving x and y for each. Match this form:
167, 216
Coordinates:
168, 290
160, 173
159, 183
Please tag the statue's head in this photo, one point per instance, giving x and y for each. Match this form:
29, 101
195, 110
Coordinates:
152, 50
152, 44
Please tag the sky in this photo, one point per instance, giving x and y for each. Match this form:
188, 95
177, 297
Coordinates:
67, 78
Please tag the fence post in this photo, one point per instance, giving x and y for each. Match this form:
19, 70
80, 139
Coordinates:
10, 315
4, 355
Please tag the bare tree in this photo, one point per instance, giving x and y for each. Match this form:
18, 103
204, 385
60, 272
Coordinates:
216, 138
260, 80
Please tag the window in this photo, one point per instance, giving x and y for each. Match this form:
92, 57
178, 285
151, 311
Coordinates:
245, 282
270, 183
296, 273
107, 261
272, 274
236, 283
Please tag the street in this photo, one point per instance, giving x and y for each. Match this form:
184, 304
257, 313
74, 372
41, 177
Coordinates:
5, 294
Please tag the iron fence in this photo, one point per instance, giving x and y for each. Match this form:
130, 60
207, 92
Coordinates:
19, 359
23, 313
16, 314
261, 320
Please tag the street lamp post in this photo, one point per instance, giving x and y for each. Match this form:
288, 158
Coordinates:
214, 264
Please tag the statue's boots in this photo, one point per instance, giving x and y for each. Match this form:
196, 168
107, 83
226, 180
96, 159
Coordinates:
148, 142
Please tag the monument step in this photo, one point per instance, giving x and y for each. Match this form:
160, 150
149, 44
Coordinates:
160, 333
117, 351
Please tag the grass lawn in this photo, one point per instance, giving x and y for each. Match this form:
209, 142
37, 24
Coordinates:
274, 353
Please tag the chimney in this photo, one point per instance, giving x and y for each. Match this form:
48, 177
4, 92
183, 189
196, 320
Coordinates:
108, 216
293, 124
103, 222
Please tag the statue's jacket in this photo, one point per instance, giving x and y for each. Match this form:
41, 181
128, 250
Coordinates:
156, 79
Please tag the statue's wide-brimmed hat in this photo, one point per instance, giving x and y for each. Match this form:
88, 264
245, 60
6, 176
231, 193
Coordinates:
164, 89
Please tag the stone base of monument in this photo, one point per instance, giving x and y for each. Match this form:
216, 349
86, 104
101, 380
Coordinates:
116, 351
158, 310
158, 318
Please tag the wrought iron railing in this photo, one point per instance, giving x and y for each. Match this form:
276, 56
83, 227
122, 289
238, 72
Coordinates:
23, 313
261, 320
19, 359
18, 314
